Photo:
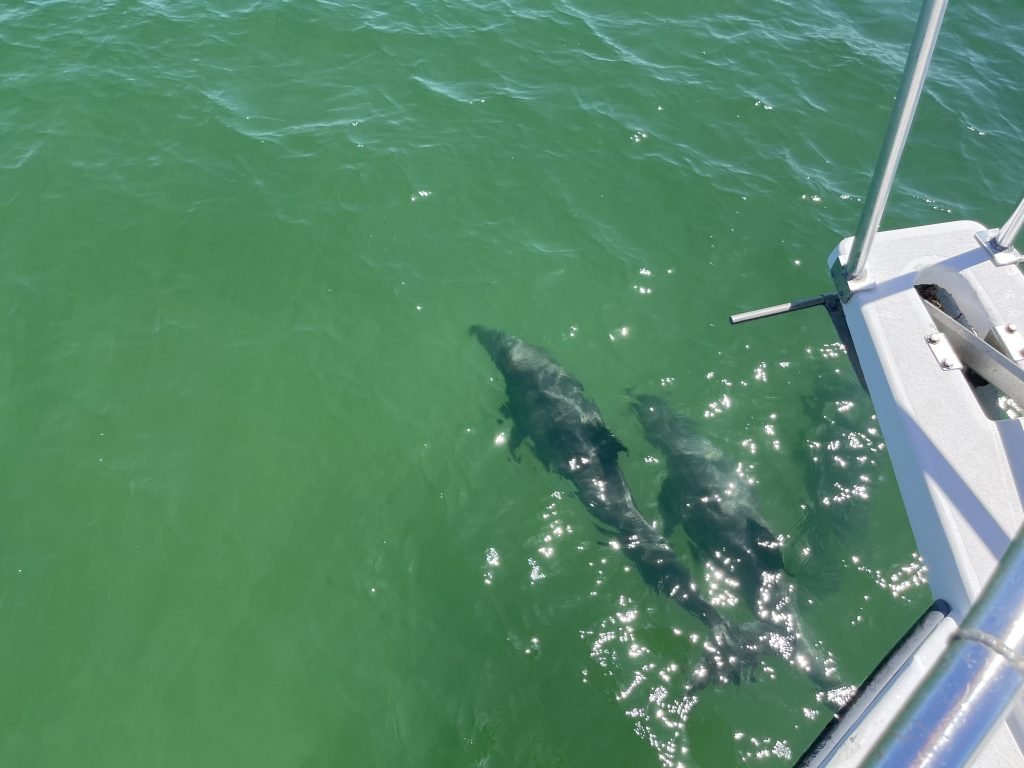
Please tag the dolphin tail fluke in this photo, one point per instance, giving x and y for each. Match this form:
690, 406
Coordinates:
740, 653
731, 656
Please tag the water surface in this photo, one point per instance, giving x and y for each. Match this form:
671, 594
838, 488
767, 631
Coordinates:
256, 506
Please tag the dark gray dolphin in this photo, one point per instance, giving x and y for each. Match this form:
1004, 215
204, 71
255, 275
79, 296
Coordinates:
569, 436
704, 493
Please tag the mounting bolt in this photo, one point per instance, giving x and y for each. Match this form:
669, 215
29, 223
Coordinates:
1011, 327
933, 338
946, 363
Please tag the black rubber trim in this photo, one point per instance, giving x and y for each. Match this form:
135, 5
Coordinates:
830, 738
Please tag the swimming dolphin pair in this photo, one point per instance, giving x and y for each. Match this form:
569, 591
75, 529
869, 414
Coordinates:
568, 435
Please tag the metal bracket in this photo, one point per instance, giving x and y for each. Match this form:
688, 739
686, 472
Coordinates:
943, 351
1003, 257
989, 363
1009, 340
845, 287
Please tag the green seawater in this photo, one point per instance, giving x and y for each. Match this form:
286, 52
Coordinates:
257, 506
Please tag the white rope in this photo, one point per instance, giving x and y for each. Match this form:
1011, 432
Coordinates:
995, 644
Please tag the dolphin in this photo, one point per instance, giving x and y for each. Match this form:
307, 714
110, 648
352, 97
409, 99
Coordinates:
569, 437
704, 493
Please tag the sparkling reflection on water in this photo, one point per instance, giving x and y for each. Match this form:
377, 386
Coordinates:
662, 680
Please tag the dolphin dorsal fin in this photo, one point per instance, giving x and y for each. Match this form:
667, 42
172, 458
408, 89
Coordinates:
515, 440
608, 445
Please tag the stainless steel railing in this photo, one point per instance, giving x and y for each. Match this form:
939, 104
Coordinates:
1009, 231
914, 74
972, 689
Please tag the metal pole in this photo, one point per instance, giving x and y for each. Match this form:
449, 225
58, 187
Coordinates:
1011, 228
914, 74
778, 309
971, 690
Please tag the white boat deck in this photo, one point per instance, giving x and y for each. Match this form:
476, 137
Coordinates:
960, 472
